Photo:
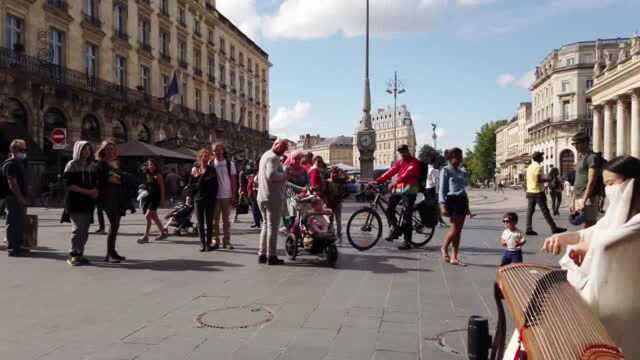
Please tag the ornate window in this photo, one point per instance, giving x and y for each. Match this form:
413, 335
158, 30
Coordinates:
119, 132
15, 32
144, 135
90, 129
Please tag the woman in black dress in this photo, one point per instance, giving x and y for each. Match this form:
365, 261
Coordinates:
154, 184
204, 189
110, 195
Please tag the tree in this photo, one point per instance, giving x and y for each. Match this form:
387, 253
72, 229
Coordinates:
427, 153
481, 161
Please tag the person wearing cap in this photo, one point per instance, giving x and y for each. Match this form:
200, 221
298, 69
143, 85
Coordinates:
537, 196
588, 186
405, 188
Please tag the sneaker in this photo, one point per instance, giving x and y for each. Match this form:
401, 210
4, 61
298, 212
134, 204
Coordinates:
143, 240
262, 259
559, 230
19, 253
73, 260
404, 246
100, 232
83, 260
162, 237
531, 233
273, 260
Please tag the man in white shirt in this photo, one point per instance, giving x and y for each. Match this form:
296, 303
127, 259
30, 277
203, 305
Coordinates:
433, 180
227, 195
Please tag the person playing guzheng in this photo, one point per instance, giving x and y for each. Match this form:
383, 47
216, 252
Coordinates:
602, 261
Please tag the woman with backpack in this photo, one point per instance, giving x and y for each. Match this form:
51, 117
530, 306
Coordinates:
556, 187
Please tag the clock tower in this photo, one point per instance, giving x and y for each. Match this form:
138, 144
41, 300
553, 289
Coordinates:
366, 135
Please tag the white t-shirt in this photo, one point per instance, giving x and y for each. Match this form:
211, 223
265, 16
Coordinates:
512, 238
433, 177
224, 178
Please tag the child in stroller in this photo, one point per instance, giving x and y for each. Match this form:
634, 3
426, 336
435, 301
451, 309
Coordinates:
180, 218
312, 229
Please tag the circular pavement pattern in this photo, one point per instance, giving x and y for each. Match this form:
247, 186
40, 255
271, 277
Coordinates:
235, 317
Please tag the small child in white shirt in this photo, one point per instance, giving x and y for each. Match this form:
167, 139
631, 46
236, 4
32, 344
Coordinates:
513, 239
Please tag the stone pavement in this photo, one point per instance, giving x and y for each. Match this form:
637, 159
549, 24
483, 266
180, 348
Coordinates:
380, 304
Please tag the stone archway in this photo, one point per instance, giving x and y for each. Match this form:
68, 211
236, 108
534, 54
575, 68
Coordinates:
567, 162
119, 132
90, 130
144, 134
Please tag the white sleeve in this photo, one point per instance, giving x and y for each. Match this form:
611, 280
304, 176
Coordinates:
233, 168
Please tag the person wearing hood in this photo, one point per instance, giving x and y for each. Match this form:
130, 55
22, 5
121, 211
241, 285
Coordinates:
80, 200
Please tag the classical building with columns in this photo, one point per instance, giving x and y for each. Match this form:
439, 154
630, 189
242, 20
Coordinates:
561, 102
382, 121
100, 68
512, 154
615, 97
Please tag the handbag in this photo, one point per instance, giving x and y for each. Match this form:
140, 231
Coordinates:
243, 205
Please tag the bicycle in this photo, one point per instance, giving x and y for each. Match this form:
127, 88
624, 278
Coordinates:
364, 228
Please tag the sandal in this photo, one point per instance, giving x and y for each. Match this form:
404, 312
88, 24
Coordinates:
162, 236
457, 262
143, 240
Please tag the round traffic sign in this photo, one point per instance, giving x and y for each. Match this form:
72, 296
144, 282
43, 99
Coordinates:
59, 136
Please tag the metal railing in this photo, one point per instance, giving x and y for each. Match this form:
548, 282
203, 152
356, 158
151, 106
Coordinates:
92, 19
58, 4
145, 46
121, 34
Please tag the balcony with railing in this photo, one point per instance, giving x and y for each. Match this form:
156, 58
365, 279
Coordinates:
183, 63
197, 72
212, 78
145, 46
121, 34
58, 5
165, 57
91, 20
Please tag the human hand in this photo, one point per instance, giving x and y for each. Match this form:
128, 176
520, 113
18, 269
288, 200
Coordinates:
92, 193
553, 245
578, 253
443, 211
579, 205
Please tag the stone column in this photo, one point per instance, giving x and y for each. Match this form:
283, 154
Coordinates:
597, 129
609, 135
635, 123
622, 127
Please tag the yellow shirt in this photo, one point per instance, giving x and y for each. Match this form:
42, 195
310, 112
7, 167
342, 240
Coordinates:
534, 185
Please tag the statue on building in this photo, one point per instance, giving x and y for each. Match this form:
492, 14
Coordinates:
538, 72
635, 45
608, 59
622, 53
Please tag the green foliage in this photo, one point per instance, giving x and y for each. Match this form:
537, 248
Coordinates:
481, 161
427, 153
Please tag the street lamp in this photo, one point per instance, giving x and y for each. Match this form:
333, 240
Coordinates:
394, 88
434, 127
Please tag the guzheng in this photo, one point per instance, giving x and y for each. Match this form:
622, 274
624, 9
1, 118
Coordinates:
554, 322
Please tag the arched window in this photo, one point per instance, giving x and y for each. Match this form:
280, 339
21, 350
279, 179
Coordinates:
53, 119
162, 135
144, 135
90, 129
119, 132
16, 113
567, 162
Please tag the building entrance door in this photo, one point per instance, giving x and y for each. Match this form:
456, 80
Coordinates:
567, 163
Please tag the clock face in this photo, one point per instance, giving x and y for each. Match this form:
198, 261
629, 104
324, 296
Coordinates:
365, 140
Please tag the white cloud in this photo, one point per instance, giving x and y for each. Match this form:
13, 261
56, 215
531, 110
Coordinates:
243, 13
288, 121
523, 82
304, 19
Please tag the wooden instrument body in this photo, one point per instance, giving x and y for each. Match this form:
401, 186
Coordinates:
553, 320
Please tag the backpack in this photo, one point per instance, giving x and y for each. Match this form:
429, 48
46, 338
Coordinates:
424, 174
4, 185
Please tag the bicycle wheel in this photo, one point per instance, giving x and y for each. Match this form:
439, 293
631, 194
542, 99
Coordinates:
364, 229
422, 234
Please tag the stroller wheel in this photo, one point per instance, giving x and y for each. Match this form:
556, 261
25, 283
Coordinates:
331, 253
291, 247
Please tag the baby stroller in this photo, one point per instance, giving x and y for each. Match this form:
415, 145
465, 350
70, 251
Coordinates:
302, 236
180, 219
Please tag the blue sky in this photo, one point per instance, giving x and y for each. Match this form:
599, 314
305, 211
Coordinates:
463, 62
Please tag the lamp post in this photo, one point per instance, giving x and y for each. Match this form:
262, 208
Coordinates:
434, 127
366, 135
395, 89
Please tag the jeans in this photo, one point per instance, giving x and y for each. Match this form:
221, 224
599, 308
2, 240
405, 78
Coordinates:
556, 201
511, 257
338, 216
79, 232
16, 219
222, 209
255, 211
409, 200
204, 215
539, 199
114, 216
271, 213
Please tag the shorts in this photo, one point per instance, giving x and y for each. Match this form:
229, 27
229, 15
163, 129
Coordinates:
592, 210
457, 205
150, 204
511, 257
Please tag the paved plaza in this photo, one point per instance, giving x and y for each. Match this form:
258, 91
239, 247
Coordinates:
169, 301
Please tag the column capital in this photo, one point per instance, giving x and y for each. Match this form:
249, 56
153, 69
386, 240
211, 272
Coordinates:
624, 97
634, 92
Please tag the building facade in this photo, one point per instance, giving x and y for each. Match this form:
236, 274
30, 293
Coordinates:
100, 69
616, 100
337, 150
561, 105
512, 154
383, 124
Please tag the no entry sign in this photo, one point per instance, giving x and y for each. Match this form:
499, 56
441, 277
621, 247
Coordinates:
59, 138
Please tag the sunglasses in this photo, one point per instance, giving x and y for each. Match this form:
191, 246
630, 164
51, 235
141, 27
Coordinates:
506, 221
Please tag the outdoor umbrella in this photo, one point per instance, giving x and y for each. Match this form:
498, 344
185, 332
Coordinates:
140, 149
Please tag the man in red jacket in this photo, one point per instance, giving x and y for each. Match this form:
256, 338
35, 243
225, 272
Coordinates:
405, 188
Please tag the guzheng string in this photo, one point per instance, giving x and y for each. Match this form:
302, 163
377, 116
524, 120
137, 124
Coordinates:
556, 317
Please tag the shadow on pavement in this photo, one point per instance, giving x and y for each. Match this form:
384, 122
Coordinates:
377, 264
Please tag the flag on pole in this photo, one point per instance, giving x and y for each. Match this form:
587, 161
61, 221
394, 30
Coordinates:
173, 90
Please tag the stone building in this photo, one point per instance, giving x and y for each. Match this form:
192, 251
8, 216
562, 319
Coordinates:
616, 99
561, 104
512, 155
337, 150
100, 68
383, 124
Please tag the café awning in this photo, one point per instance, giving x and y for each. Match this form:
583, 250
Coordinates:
140, 149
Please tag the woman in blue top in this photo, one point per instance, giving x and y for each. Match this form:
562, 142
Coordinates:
454, 202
